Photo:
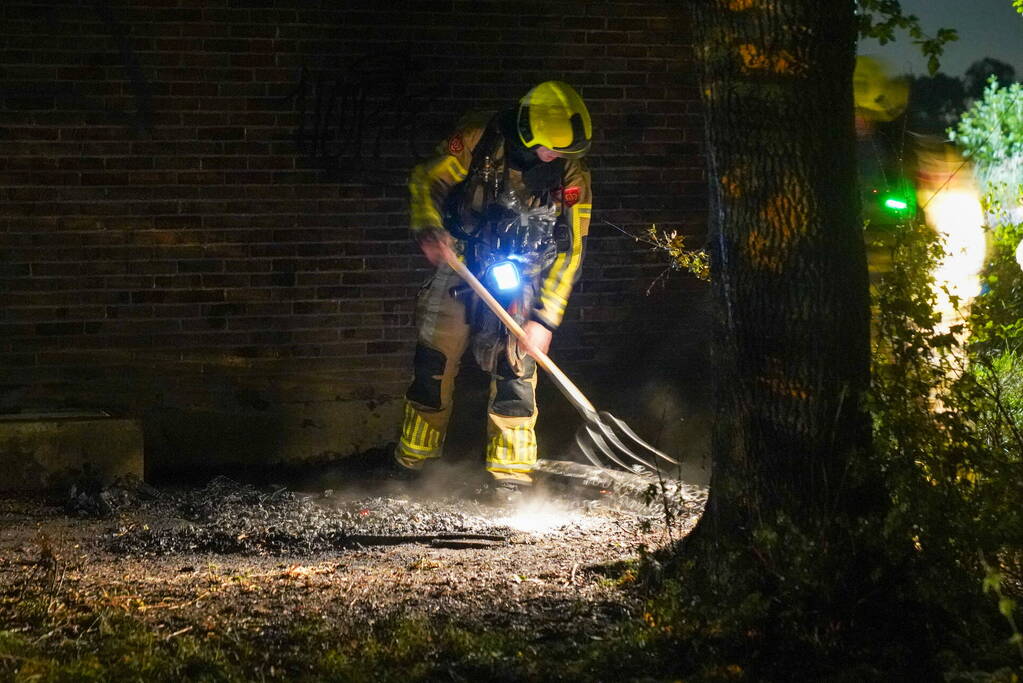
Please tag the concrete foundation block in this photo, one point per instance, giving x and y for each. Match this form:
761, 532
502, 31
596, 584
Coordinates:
50, 450
186, 442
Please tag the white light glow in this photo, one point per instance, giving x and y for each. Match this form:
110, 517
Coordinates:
951, 204
956, 215
506, 275
538, 517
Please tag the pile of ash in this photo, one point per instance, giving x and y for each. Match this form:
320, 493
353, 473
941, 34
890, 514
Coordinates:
228, 517
89, 496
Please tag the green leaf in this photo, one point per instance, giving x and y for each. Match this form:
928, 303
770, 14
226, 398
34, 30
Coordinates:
932, 65
1006, 606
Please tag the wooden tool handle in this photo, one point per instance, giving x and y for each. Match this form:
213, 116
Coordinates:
567, 387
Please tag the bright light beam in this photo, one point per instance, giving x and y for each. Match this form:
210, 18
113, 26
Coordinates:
506, 275
540, 517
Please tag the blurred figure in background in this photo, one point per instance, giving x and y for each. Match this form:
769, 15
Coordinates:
905, 175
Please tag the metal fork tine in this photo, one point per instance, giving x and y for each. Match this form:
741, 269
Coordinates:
588, 451
635, 438
597, 429
599, 442
607, 433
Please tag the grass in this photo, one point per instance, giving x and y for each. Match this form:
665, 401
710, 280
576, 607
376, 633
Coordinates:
53, 636
65, 640
51, 631
122, 647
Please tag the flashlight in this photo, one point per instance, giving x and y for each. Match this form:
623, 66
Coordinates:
505, 275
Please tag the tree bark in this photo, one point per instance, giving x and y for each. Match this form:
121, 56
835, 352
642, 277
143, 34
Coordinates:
789, 274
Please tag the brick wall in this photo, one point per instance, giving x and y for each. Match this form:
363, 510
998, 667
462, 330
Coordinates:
203, 212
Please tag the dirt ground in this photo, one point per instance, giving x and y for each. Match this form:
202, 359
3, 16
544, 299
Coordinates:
237, 561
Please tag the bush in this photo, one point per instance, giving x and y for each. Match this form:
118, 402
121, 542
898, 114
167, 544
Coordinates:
990, 134
948, 415
991, 130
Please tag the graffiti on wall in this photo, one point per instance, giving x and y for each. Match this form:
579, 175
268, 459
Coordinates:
360, 123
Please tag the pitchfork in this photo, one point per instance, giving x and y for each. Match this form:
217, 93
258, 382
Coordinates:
601, 431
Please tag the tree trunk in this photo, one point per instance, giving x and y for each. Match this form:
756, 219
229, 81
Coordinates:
789, 272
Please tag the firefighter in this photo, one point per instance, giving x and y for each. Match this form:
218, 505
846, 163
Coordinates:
518, 168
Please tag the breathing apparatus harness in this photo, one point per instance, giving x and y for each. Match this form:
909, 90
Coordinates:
511, 235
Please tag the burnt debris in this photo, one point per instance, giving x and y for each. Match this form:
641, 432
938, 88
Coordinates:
228, 517
89, 496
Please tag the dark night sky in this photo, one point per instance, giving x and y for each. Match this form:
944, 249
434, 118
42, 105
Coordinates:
987, 28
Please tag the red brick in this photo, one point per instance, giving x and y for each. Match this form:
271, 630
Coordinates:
211, 235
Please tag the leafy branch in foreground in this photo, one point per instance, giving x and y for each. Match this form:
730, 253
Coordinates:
1007, 606
695, 261
673, 243
879, 19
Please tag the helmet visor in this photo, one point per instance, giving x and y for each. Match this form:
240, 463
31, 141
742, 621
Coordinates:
553, 115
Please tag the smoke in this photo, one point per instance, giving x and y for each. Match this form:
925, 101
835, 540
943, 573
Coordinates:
541, 515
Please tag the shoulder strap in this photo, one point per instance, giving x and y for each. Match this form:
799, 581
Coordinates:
487, 146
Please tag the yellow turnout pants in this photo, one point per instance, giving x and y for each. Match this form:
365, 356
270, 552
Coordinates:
443, 337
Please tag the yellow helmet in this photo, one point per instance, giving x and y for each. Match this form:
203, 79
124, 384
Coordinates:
554, 115
878, 95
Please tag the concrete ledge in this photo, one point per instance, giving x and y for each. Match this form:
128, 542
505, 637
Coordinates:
183, 441
50, 450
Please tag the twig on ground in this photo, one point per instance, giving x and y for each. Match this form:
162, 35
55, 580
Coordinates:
179, 632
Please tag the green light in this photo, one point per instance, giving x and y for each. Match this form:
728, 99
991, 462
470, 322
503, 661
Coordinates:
896, 204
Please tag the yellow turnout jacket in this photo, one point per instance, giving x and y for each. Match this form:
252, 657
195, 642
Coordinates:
432, 180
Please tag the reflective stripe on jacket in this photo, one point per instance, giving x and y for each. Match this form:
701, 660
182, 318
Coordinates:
432, 180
